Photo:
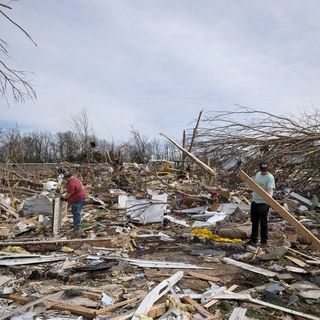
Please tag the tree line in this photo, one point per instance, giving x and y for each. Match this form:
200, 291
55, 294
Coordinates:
80, 144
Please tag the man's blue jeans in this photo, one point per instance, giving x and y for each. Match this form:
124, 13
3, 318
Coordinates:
76, 213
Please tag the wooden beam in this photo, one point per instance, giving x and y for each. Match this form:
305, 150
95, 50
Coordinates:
297, 261
117, 305
194, 158
247, 297
303, 254
249, 267
156, 293
155, 312
275, 205
74, 309
198, 307
194, 132
238, 314
183, 156
56, 242
59, 214
203, 276
56, 305
214, 301
8, 209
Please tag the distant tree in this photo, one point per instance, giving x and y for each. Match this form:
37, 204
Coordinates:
67, 146
13, 82
82, 128
139, 148
11, 147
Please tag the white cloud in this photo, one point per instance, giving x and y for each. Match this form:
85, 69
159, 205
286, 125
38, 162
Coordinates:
155, 64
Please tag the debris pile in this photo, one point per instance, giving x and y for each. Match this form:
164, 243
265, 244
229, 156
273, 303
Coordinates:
157, 242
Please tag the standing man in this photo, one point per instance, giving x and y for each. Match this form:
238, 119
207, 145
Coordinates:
259, 208
76, 197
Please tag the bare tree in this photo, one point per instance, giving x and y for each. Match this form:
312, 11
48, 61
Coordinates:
67, 146
247, 136
11, 149
82, 128
139, 147
13, 81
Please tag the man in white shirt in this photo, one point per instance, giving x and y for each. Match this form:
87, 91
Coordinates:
259, 208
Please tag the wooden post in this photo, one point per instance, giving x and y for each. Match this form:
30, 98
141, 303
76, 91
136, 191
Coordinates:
194, 132
276, 206
59, 214
183, 146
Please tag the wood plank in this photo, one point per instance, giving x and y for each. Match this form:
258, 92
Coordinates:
198, 307
286, 310
59, 215
238, 314
214, 301
247, 297
78, 310
190, 155
203, 276
296, 269
18, 298
156, 311
302, 254
156, 293
56, 305
27, 261
162, 275
249, 267
297, 261
117, 305
301, 199
7, 208
57, 242
281, 211
313, 262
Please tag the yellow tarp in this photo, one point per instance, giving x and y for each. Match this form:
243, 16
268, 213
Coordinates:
205, 233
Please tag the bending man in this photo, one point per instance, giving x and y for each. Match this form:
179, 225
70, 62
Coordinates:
76, 197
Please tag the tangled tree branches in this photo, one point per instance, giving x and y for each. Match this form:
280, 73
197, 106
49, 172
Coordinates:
247, 136
13, 81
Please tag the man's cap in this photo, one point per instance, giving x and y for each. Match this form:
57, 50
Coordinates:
263, 166
67, 174
64, 172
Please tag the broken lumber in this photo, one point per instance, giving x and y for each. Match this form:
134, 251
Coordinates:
281, 211
194, 158
238, 314
7, 208
78, 310
249, 267
302, 254
247, 297
198, 307
155, 294
202, 276
48, 242
156, 311
54, 304
33, 260
117, 305
297, 261
214, 301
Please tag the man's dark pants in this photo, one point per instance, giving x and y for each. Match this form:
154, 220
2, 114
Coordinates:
259, 216
76, 213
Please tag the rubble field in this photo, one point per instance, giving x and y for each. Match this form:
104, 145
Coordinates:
155, 245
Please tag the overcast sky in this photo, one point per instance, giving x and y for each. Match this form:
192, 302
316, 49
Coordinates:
154, 64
